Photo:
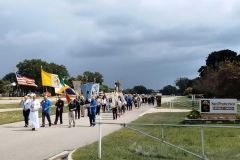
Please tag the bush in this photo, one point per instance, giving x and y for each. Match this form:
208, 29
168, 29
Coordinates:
238, 116
194, 114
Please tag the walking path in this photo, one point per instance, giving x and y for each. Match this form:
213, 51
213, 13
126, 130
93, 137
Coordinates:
19, 143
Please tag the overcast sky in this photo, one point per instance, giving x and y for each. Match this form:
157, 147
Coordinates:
149, 42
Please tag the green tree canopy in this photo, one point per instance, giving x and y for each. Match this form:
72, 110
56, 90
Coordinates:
215, 58
89, 76
32, 69
223, 82
10, 77
182, 84
141, 89
169, 90
104, 88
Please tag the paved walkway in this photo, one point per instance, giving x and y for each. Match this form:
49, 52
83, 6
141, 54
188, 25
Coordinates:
19, 143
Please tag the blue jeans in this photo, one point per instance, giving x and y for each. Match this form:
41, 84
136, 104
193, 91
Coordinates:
92, 119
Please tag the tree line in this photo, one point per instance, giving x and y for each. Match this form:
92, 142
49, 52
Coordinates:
219, 77
32, 69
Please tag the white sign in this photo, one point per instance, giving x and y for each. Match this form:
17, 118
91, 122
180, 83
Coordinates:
225, 106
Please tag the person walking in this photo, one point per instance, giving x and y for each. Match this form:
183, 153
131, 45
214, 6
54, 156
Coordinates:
35, 105
82, 106
26, 105
129, 103
120, 106
104, 103
153, 100
72, 109
138, 101
59, 110
77, 111
99, 101
46, 104
114, 109
92, 111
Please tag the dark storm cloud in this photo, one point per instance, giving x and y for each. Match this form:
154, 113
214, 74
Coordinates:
138, 42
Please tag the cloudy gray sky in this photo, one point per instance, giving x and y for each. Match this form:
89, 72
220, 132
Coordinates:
149, 42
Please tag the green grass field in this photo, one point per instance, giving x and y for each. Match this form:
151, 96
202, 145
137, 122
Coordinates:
16, 116
220, 144
7, 106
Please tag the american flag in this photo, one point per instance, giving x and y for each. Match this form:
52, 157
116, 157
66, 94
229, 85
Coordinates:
21, 80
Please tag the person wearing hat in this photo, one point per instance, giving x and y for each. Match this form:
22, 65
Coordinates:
46, 104
35, 105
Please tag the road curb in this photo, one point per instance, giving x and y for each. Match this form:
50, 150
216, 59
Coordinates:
70, 154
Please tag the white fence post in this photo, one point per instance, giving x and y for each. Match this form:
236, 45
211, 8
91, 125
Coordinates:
203, 149
100, 140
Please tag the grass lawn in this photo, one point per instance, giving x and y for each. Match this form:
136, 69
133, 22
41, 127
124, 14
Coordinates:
7, 106
16, 116
220, 144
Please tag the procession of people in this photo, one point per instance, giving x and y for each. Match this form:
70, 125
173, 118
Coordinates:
77, 107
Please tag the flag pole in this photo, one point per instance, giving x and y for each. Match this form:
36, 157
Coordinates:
41, 78
17, 83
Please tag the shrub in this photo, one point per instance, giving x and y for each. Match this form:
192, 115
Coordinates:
194, 114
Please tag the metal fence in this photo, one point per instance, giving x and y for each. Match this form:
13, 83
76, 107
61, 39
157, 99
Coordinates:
132, 126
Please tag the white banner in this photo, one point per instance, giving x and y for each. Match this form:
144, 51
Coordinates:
77, 86
225, 106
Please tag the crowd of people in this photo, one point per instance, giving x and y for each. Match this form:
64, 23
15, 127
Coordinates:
117, 104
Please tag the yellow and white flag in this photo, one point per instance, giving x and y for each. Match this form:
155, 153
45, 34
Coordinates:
51, 80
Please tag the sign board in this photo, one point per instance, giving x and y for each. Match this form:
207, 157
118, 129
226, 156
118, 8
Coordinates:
218, 106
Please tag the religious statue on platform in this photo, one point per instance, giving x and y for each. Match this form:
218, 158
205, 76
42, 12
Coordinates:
117, 86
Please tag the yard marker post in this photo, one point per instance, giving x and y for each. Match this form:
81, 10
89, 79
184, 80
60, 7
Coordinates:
100, 140
162, 134
203, 149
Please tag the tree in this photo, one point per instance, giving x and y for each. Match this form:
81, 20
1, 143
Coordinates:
10, 77
169, 90
188, 91
128, 91
223, 82
140, 89
89, 76
4, 86
182, 84
32, 69
104, 88
215, 58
